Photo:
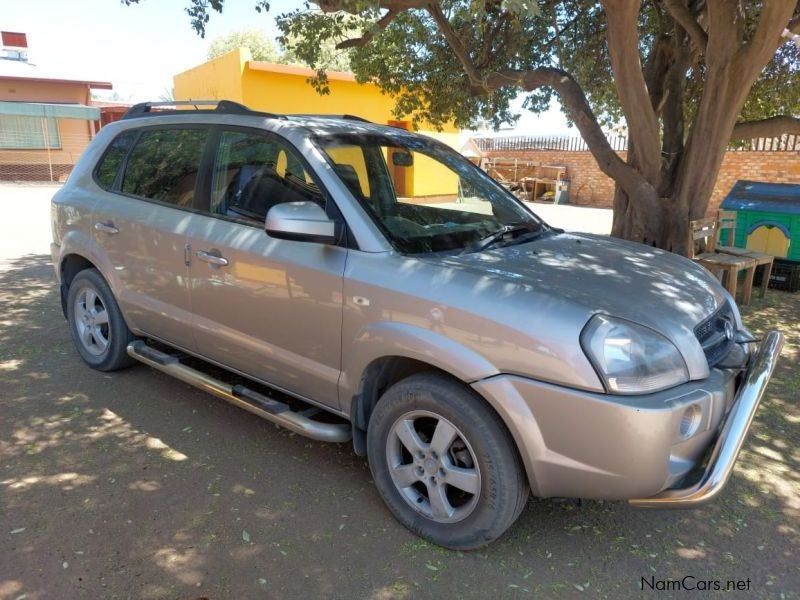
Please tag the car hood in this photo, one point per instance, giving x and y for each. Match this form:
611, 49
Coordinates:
658, 289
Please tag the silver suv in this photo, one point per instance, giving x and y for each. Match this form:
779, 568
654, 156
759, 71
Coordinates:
353, 281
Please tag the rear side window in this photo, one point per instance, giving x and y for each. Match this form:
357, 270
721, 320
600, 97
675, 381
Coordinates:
163, 165
106, 173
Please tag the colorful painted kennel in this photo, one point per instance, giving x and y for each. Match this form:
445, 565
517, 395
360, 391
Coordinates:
767, 217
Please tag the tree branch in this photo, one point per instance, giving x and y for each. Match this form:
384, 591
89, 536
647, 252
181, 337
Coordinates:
577, 106
680, 12
723, 39
623, 49
794, 24
393, 5
572, 97
366, 38
774, 18
770, 127
455, 43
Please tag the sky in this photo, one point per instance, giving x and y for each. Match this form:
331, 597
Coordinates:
139, 48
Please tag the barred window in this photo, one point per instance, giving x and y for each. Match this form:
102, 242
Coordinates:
28, 133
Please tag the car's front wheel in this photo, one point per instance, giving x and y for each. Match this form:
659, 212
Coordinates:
444, 462
96, 323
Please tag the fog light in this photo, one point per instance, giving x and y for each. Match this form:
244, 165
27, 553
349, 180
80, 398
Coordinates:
690, 421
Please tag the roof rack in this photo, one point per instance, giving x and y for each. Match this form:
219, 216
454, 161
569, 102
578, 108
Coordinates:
228, 107
321, 116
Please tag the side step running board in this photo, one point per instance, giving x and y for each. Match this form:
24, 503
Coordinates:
241, 396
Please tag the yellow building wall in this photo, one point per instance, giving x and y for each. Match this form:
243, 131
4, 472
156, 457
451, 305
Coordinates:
233, 76
217, 79
287, 93
353, 156
432, 178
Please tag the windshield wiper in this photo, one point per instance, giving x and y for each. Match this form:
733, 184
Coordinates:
496, 236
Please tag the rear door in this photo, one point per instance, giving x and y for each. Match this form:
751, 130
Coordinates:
144, 222
269, 308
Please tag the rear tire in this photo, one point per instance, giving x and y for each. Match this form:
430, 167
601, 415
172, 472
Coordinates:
444, 462
98, 329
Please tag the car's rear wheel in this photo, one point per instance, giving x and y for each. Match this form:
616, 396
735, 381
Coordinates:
444, 462
96, 323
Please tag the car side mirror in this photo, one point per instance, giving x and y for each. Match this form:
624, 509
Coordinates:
301, 222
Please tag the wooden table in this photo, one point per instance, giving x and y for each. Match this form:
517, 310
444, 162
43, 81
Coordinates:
729, 265
761, 258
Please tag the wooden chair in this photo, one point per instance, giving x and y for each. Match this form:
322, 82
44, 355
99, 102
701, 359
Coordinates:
703, 235
727, 222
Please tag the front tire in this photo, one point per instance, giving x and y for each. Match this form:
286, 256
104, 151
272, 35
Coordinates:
98, 329
444, 462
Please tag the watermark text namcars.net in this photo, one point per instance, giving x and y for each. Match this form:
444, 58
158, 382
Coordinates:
690, 583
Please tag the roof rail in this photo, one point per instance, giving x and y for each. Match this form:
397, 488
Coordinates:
321, 116
228, 107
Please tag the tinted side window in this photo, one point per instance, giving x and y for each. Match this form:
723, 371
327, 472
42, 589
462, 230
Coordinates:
351, 165
163, 165
254, 172
109, 165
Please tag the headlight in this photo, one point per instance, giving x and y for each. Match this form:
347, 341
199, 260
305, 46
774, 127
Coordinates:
630, 358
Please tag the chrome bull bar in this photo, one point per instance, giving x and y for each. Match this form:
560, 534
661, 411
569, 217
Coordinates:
729, 443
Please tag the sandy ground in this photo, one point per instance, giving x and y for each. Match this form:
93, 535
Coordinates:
575, 218
25, 225
134, 485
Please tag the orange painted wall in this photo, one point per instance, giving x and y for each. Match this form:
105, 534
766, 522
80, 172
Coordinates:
75, 134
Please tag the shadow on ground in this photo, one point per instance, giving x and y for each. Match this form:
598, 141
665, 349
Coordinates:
134, 485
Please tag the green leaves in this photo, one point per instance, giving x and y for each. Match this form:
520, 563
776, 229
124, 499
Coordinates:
310, 38
527, 8
411, 60
260, 46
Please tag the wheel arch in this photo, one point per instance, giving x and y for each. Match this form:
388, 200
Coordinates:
386, 371
380, 375
70, 265
388, 352
384, 352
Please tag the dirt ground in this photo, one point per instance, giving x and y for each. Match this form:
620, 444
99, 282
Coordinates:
134, 485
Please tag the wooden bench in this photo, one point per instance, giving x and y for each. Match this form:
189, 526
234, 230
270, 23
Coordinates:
543, 179
703, 236
727, 222
528, 180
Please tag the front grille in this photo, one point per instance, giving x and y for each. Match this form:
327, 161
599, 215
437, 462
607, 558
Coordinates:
712, 337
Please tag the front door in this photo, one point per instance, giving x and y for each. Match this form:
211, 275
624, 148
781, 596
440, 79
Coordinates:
269, 308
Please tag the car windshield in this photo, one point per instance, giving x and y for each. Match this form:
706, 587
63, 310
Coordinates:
425, 196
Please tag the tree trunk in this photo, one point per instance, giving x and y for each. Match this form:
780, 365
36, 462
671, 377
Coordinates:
667, 227
689, 172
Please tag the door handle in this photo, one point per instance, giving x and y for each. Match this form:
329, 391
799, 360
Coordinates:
211, 258
106, 228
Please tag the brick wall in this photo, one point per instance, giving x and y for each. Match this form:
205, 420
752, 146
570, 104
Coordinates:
590, 187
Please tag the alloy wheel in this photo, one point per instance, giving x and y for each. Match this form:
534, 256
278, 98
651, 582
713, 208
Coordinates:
433, 466
91, 321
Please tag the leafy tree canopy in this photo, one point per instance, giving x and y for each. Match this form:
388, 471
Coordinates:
326, 55
261, 48
408, 56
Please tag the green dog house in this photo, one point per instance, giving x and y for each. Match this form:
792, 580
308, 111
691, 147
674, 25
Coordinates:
767, 217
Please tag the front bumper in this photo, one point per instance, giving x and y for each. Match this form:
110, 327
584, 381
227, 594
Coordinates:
583, 444
723, 456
